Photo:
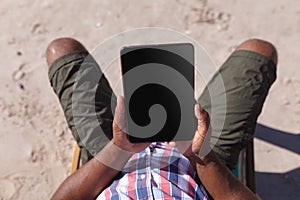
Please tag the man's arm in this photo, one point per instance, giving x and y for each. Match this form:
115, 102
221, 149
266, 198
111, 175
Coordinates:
92, 178
217, 179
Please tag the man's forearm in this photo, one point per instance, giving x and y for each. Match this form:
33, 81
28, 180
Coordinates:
94, 176
218, 180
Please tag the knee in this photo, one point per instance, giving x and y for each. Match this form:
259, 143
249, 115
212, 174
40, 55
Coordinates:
260, 46
62, 46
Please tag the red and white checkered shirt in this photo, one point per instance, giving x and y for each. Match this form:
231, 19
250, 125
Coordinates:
158, 172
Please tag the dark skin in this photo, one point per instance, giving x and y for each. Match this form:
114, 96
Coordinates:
92, 178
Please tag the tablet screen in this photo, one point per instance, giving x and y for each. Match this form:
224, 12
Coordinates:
158, 83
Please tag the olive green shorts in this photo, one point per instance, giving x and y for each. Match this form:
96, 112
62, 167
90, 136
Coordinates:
87, 101
247, 77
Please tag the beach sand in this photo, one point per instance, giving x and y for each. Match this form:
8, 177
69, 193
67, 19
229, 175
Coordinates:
35, 143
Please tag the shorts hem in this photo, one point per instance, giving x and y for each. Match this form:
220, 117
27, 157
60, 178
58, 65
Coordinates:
64, 60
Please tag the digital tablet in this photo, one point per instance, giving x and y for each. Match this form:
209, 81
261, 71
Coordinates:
158, 84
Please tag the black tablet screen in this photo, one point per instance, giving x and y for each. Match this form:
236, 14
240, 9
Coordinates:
158, 83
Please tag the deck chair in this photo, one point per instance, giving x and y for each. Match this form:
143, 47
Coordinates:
244, 170
75, 159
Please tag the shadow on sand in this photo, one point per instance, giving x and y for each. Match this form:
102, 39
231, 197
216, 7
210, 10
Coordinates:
277, 186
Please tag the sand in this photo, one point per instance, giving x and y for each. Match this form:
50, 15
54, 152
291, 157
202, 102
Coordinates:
35, 143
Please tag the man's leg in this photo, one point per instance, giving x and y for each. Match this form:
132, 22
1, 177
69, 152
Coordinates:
247, 75
68, 62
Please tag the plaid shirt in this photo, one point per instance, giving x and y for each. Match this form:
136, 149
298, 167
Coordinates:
158, 172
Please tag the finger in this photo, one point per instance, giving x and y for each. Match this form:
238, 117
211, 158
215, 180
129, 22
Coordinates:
203, 119
203, 123
198, 109
119, 119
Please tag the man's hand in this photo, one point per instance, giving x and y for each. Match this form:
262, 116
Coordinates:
201, 137
217, 179
99, 172
120, 138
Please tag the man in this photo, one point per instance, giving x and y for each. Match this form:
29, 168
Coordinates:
247, 74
